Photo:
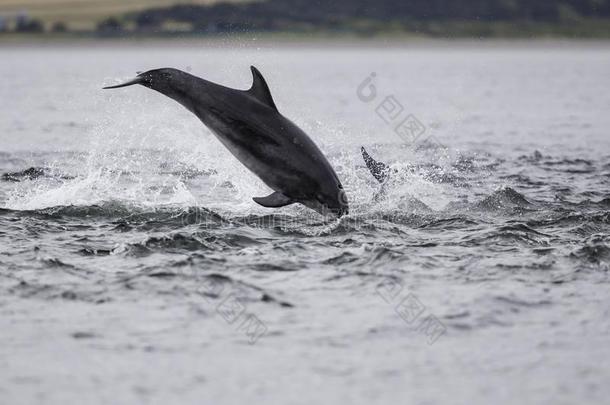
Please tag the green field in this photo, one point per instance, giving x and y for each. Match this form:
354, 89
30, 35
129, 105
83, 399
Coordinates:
84, 14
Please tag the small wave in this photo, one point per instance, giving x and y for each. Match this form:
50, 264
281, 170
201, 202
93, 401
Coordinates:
595, 251
182, 242
535, 157
174, 243
566, 161
127, 214
502, 199
507, 235
27, 174
452, 223
465, 164
522, 180
24, 289
513, 301
34, 173
576, 222
89, 251
169, 218
603, 203
306, 224
106, 210
279, 266
55, 262
343, 258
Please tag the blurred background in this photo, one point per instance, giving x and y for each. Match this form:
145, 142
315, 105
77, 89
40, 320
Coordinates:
362, 18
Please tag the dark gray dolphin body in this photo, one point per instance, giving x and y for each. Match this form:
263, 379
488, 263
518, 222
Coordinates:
248, 123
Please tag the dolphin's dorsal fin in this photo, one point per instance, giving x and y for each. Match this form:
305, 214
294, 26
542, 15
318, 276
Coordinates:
274, 200
260, 90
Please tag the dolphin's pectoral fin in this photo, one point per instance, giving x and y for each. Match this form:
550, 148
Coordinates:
274, 200
379, 170
260, 90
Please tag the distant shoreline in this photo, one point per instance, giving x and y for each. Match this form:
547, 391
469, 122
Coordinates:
590, 29
301, 21
264, 40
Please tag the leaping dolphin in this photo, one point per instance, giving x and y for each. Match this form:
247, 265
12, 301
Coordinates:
249, 124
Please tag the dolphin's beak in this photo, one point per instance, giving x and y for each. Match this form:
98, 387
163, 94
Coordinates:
137, 80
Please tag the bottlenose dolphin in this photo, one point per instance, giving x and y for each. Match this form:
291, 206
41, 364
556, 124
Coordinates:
249, 124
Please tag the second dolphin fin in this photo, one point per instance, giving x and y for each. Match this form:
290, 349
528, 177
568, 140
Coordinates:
379, 170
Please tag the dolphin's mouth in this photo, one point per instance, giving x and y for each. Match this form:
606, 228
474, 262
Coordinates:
137, 80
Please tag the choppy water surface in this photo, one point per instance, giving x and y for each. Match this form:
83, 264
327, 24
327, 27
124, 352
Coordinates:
134, 266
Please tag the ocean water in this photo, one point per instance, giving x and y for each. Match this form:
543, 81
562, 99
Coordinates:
135, 267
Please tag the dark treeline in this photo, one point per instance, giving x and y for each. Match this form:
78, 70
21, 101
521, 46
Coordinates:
336, 14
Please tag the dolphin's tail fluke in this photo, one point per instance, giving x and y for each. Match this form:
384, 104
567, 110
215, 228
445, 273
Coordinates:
379, 170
